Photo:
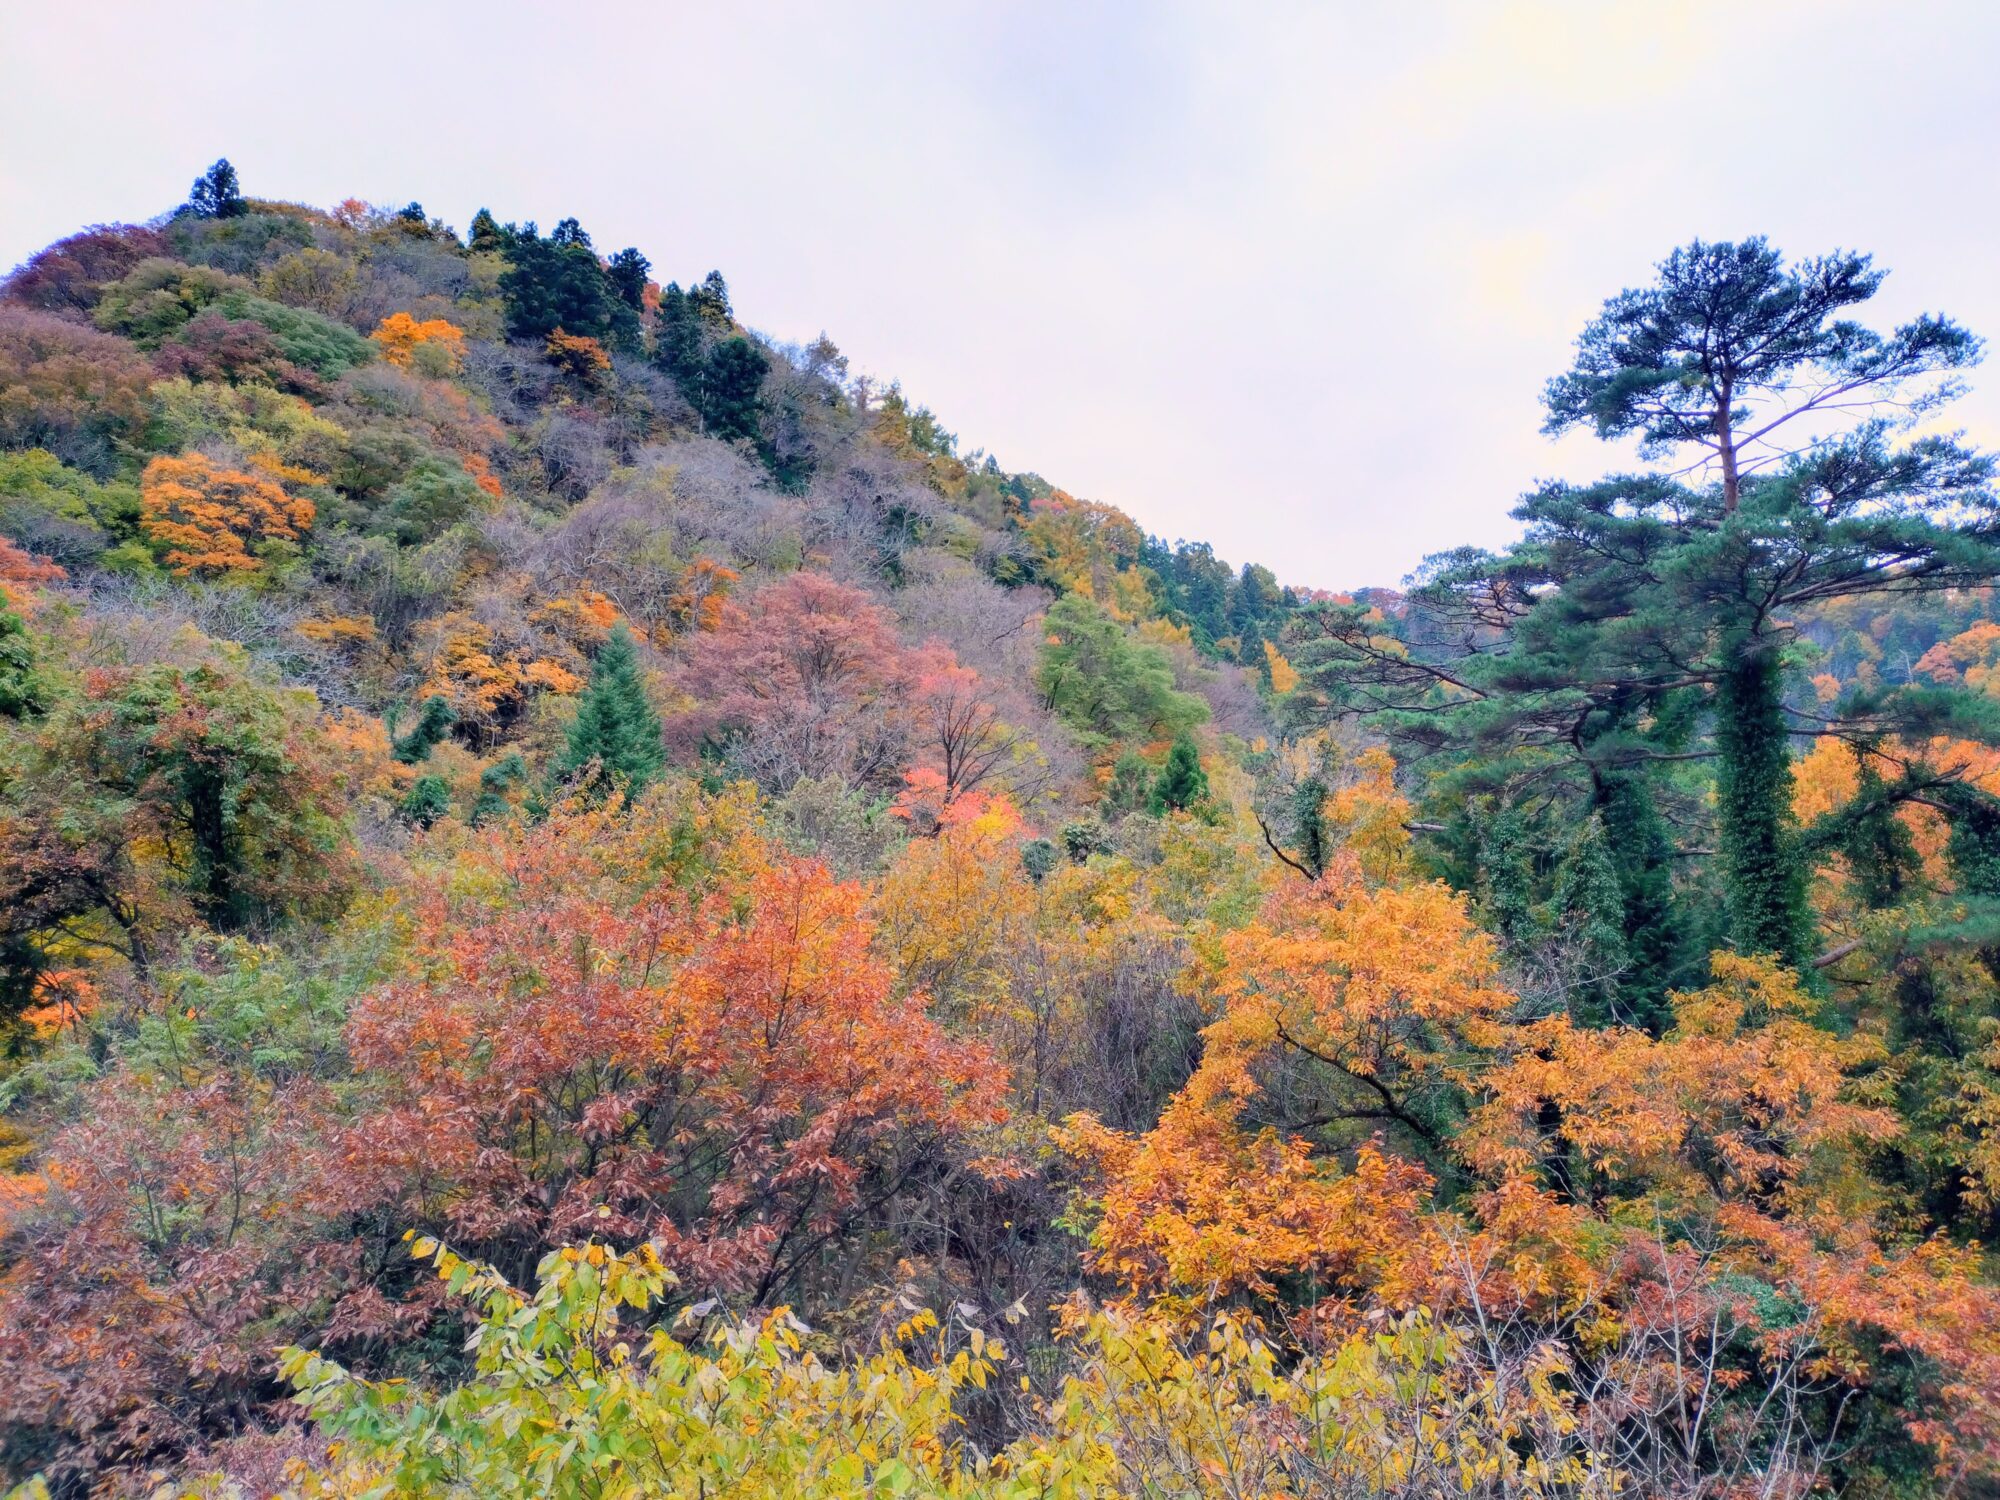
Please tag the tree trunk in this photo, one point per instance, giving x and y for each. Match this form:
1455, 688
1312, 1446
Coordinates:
1725, 444
1760, 858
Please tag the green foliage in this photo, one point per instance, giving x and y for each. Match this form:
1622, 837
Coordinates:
1106, 685
1038, 858
1181, 783
214, 761
616, 734
161, 297
432, 496
428, 799
216, 195
730, 389
1588, 915
1753, 784
62, 512
557, 283
505, 775
23, 690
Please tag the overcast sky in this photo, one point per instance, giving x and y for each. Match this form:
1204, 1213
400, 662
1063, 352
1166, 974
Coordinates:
1286, 278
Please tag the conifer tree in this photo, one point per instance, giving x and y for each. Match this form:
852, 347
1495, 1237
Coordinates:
1588, 915
616, 730
1643, 607
1182, 783
626, 272
434, 720
730, 389
486, 234
215, 194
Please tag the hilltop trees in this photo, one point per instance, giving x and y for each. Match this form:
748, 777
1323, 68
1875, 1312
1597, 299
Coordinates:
215, 194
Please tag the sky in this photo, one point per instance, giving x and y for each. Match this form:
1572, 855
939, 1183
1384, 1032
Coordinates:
1286, 278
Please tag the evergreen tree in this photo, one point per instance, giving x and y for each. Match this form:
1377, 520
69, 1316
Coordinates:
556, 283
1181, 783
1588, 917
616, 730
678, 342
710, 302
486, 235
731, 387
216, 195
1640, 607
428, 799
434, 720
495, 782
626, 272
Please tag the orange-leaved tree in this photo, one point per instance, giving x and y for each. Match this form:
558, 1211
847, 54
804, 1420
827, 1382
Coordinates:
206, 518
433, 343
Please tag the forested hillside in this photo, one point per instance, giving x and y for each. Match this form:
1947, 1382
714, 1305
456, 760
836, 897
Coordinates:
591, 905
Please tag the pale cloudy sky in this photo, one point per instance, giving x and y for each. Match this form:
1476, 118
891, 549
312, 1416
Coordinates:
1283, 277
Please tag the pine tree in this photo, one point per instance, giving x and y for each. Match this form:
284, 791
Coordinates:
626, 272
1640, 608
678, 341
616, 730
1182, 783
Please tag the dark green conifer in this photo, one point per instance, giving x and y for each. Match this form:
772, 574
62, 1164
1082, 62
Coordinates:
616, 736
1181, 783
434, 720
215, 194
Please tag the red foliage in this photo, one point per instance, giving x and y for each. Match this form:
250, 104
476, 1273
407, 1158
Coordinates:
72, 390
734, 1075
68, 276
214, 347
806, 678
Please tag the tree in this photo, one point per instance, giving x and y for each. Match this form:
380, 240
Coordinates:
1106, 685
1637, 607
626, 272
435, 716
730, 389
215, 194
616, 732
1181, 783
205, 518
485, 236
23, 691
678, 340
805, 678
558, 283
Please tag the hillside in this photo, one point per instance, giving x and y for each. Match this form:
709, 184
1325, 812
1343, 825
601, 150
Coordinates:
511, 778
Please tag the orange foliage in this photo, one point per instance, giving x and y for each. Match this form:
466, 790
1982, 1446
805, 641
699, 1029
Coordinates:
400, 336
208, 517
482, 473
578, 356
703, 590
340, 630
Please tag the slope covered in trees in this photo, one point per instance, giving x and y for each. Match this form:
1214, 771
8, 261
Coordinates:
588, 906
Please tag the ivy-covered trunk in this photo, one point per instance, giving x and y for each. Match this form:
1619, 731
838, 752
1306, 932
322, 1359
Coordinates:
1761, 867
